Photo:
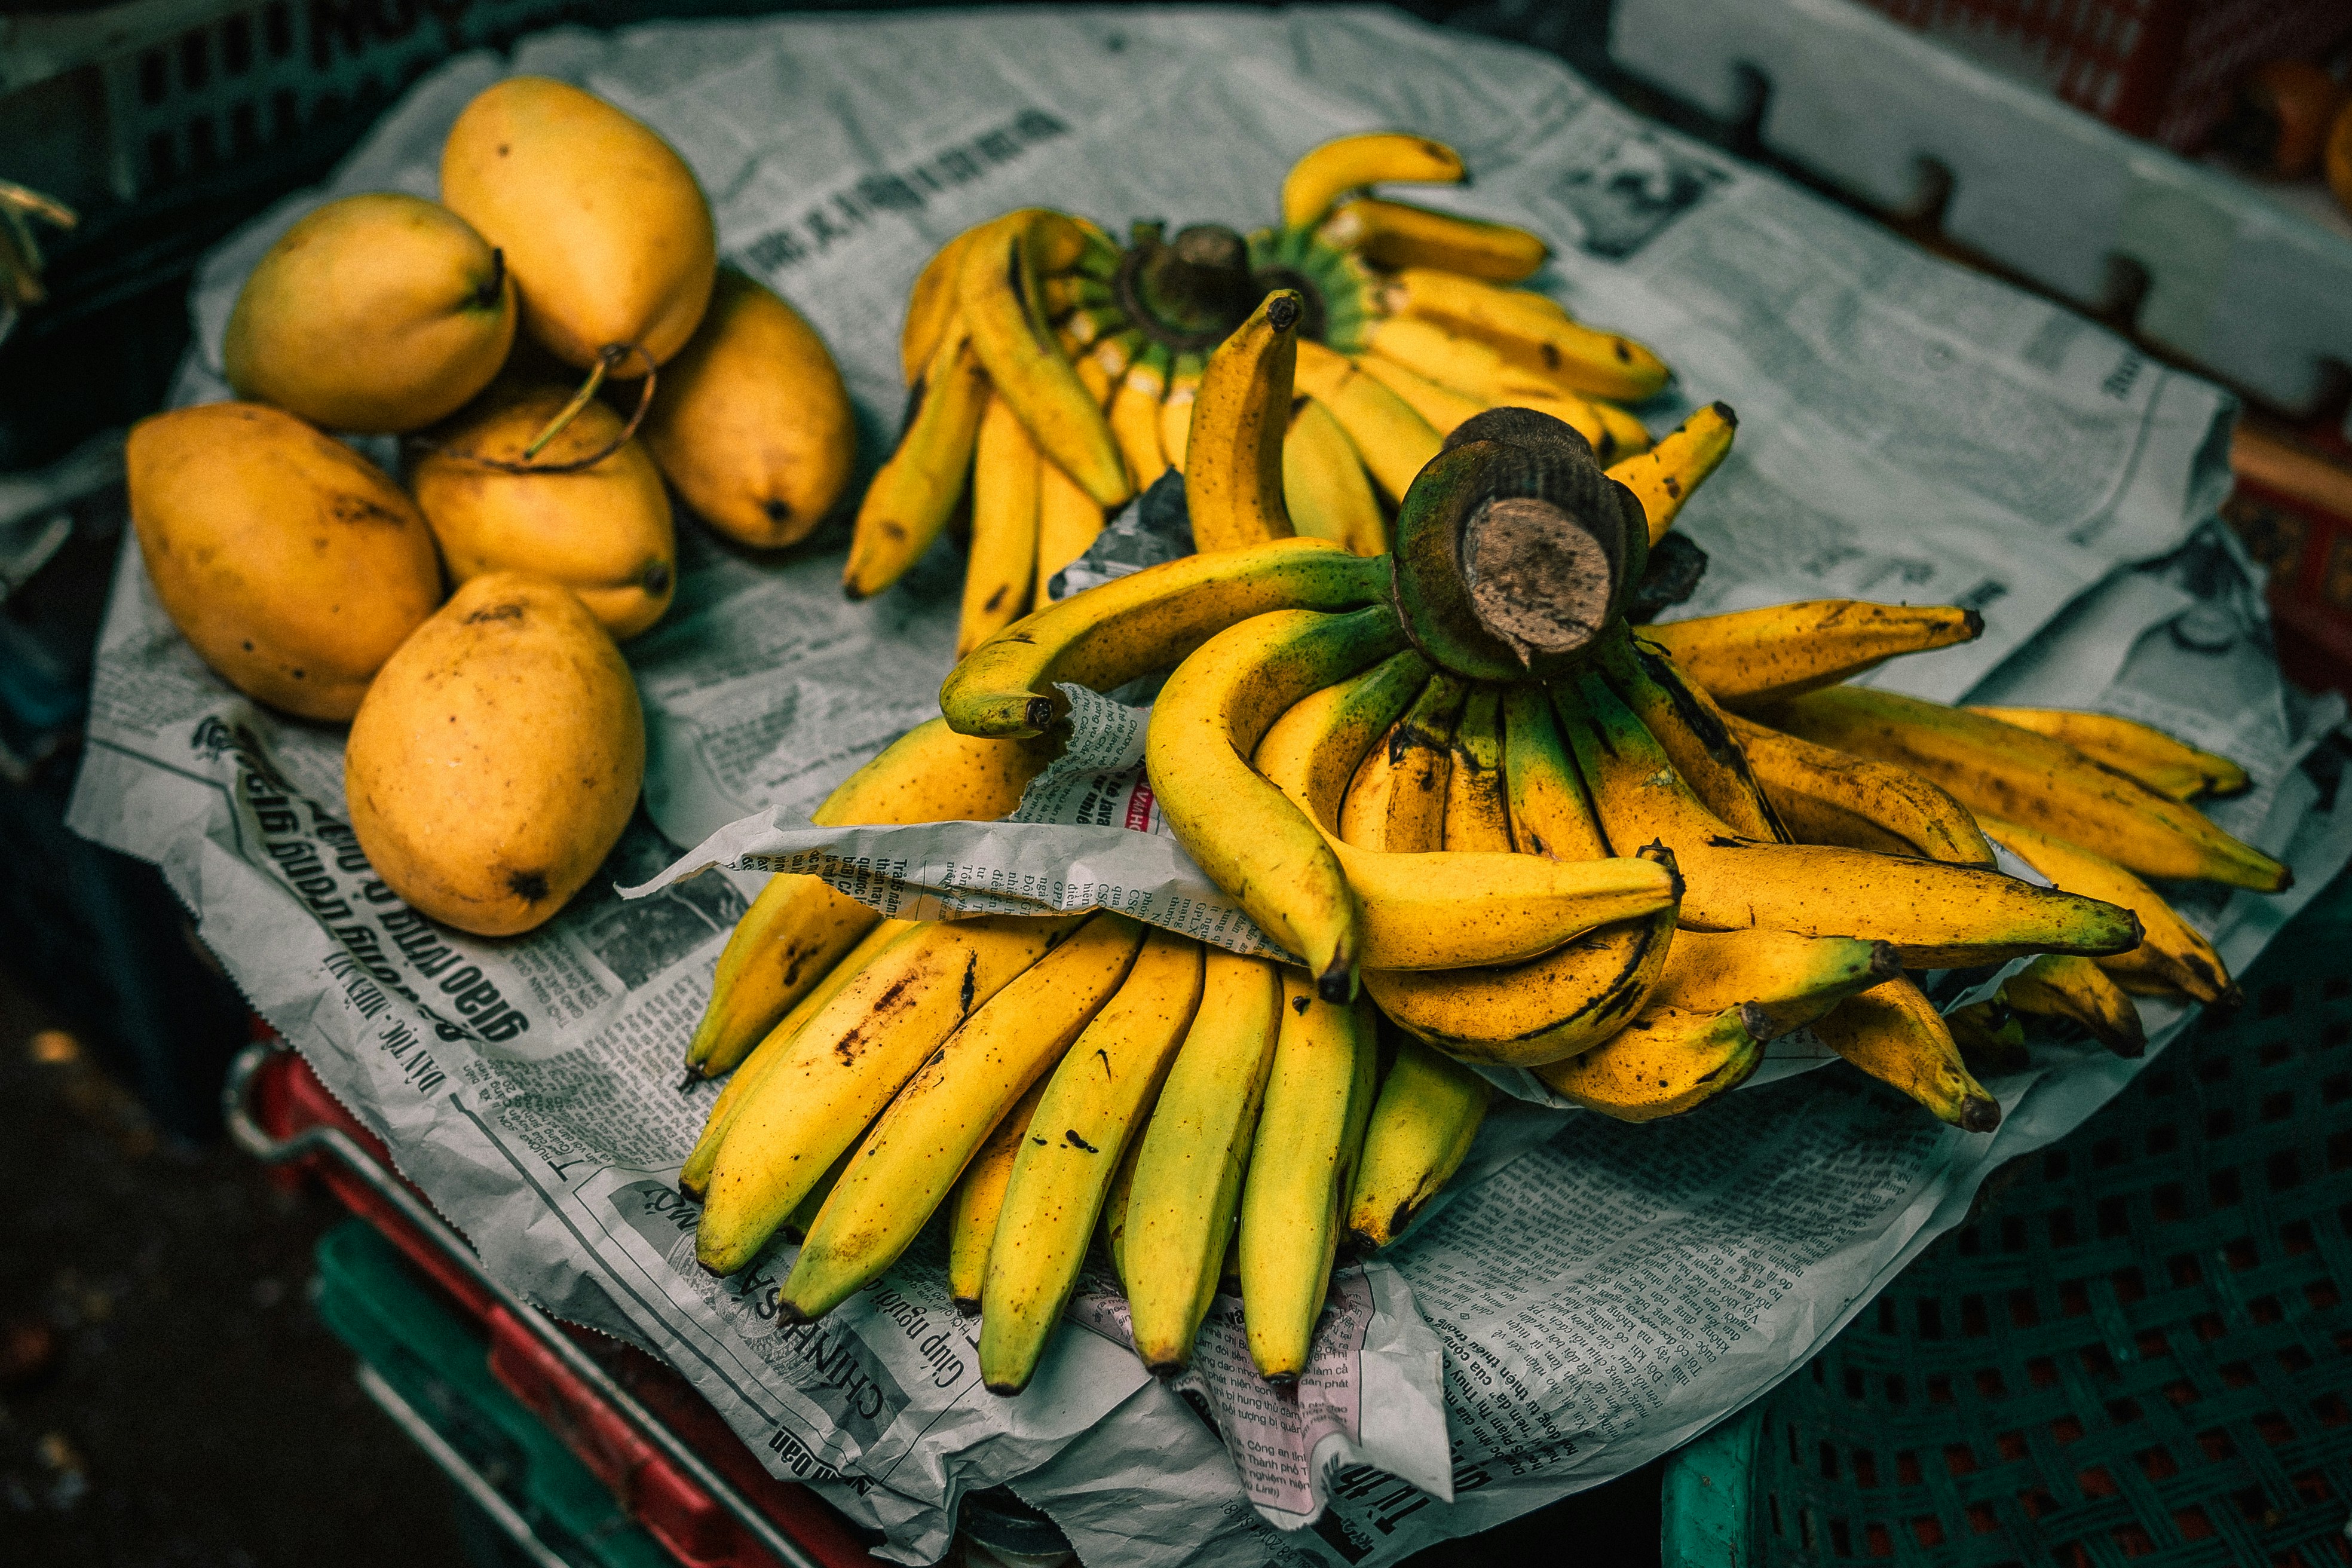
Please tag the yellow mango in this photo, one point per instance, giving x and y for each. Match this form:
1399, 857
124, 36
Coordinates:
603, 531
750, 421
498, 756
292, 563
608, 235
378, 311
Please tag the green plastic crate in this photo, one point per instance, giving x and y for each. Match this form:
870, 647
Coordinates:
438, 1365
2137, 1352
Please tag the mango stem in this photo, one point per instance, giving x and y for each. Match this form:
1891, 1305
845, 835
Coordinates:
606, 361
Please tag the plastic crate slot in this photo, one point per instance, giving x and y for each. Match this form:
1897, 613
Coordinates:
1906, 1469
2152, 1344
1865, 1470
2041, 1371
1854, 1388
2220, 1123
2335, 1035
1929, 1530
2275, 1429
1841, 1539
2157, 1464
2184, 1269
2275, 1052
2065, 1429
285, 114
1805, 1526
1930, 1317
2013, 1233
1990, 1384
2276, 1001
2062, 1229
2037, 1502
1982, 1518
2133, 1541
1897, 1393
2024, 1313
1958, 1460
2106, 1154
2181, 1393
2311, 1487
237, 45
2074, 1298
243, 136
196, 60
1886, 1324
2053, 1165
2113, 1219
2098, 1362
277, 30
1968, 1241
2163, 1138
2213, 1070
2123, 1412
2295, 1360
2216, 1444
1939, 1391
2331, 1410
2236, 1373
1772, 1506
1876, 1543
2160, 1082
2224, 1188
1828, 1461
1974, 1323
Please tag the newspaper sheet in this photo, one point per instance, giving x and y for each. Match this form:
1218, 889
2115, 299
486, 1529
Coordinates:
1908, 432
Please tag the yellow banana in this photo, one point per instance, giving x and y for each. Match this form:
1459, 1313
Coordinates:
694, 1177
1664, 476
997, 291
1664, 1063
1117, 355
1936, 916
1324, 486
1551, 813
2172, 957
999, 577
2079, 990
1393, 441
797, 1223
1067, 521
1422, 1127
1628, 437
1180, 1211
920, 482
845, 1064
1135, 417
1752, 657
919, 1148
1398, 233
931, 307
1176, 409
1112, 1225
1350, 162
1532, 331
1477, 810
1233, 479
1323, 740
1893, 1033
1081, 330
1791, 980
980, 1199
1318, 1097
1828, 797
1695, 733
1396, 801
1146, 621
798, 928
2030, 778
2165, 765
1442, 405
1094, 1103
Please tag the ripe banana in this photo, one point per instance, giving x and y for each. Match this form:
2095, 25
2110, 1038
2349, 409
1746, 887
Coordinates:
1664, 1063
1180, 1212
1828, 797
1693, 731
798, 928
1664, 476
1135, 417
2030, 778
1936, 916
845, 1064
694, 1177
999, 577
1148, 620
2172, 957
1893, 1033
997, 285
1628, 437
1112, 1226
1477, 811
1752, 657
1094, 1101
2077, 989
1318, 1097
1325, 738
1550, 814
1233, 482
1422, 1127
1176, 409
1067, 521
980, 1199
1792, 980
1324, 486
1529, 329
1396, 802
920, 482
2165, 765
931, 307
1443, 407
919, 1148
1398, 233
1350, 162
1393, 441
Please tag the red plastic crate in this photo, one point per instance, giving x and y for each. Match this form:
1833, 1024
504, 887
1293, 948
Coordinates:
2294, 509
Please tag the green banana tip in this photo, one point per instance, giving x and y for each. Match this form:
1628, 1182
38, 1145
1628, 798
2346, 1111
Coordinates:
790, 1316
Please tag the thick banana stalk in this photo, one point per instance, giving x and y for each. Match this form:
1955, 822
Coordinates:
1398, 233
1319, 1098
1324, 486
980, 1199
1695, 733
1149, 620
1893, 1033
1067, 521
2172, 958
2163, 763
1936, 916
1397, 801
1350, 162
2045, 784
1477, 809
1233, 474
1664, 476
920, 484
913, 1158
1532, 331
1789, 980
694, 1177
2077, 989
1393, 441
798, 928
1095, 1102
1665, 1062
1180, 1209
931, 306
1135, 417
1176, 409
845, 1064
1749, 658
999, 575
1422, 1127
1829, 797
997, 286
1550, 814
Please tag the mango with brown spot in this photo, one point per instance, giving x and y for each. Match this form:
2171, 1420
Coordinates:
293, 564
498, 756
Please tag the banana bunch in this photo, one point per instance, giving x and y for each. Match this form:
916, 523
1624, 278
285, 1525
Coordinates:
1298, 377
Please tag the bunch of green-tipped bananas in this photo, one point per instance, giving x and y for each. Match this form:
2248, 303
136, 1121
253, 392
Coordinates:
1054, 373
